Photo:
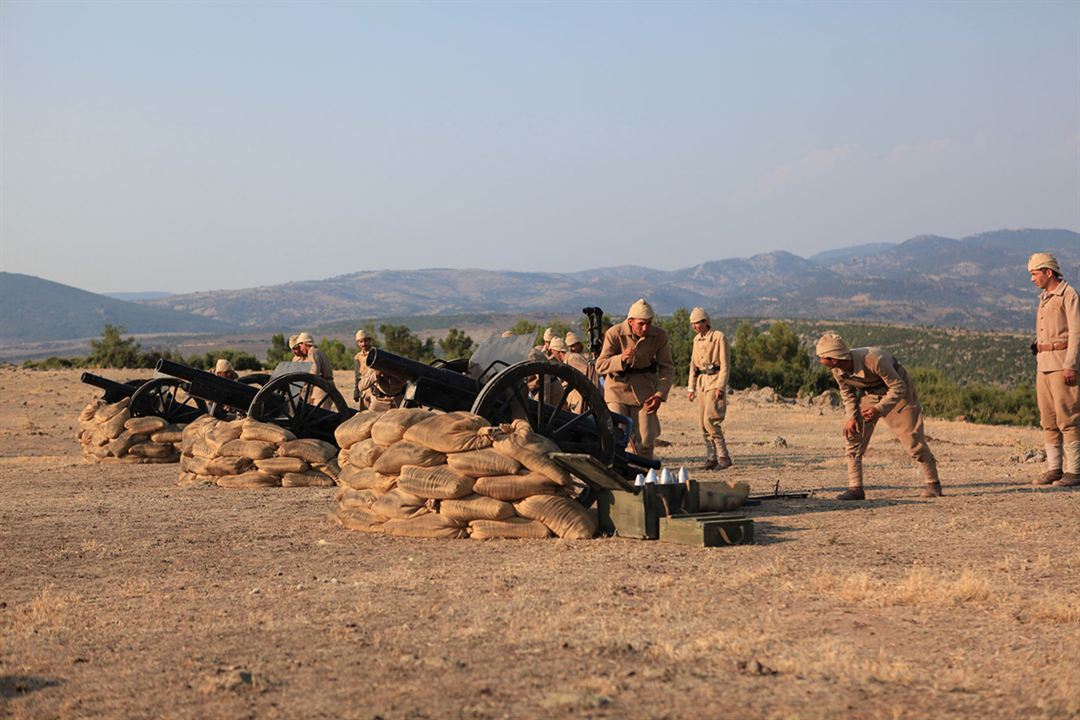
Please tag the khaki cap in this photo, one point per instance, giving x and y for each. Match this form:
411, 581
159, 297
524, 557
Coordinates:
641, 310
1038, 261
571, 339
548, 334
833, 346
557, 344
699, 314
223, 365
361, 335
305, 337
292, 342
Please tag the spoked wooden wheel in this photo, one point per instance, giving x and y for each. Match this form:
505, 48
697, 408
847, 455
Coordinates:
306, 404
507, 397
167, 398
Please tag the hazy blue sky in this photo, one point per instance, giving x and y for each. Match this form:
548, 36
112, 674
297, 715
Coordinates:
192, 146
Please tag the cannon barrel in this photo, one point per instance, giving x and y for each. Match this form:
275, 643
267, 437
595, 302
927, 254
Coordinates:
210, 387
114, 391
432, 386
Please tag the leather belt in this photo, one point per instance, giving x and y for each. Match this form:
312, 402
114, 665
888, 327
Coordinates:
1047, 347
709, 370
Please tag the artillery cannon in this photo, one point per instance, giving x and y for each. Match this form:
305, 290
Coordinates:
305, 404
166, 398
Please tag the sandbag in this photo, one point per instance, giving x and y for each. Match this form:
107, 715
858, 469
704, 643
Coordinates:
366, 479
515, 487
564, 516
476, 507
120, 444
282, 465
358, 518
266, 432
440, 482
391, 426
399, 505
364, 453
356, 429
106, 412
202, 449
311, 478
249, 480
519, 442
330, 468
251, 449
188, 479
430, 525
516, 528
194, 464
115, 425
406, 453
156, 450
722, 495
222, 433
482, 463
453, 432
145, 425
347, 498
169, 434
87, 413
309, 449
226, 465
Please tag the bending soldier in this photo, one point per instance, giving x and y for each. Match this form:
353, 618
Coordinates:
710, 366
873, 384
636, 360
1057, 341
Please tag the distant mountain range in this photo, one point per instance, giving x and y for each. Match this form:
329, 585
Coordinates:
973, 282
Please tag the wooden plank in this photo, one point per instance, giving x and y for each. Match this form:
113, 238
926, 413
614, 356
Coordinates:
591, 471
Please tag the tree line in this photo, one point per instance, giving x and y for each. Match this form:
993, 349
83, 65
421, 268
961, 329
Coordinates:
772, 355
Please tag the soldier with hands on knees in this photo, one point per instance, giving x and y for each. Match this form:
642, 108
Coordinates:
710, 366
636, 362
874, 385
1056, 346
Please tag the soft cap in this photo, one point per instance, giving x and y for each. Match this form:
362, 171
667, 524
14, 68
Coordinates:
548, 334
641, 310
305, 337
292, 342
557, 344
361, 335
1038, 261
571, 339
833, 346
699, 314
223, 365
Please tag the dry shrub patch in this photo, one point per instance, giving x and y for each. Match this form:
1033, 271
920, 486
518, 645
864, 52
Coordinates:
920, 587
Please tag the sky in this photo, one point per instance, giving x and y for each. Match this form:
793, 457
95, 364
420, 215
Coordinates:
157, 146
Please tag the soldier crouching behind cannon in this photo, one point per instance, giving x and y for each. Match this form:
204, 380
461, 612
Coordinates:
374, 390
636, 360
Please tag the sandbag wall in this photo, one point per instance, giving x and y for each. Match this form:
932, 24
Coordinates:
109, 434
418, 473
249, 454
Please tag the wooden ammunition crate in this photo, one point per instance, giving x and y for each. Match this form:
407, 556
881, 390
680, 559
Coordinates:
707, 529
637, 515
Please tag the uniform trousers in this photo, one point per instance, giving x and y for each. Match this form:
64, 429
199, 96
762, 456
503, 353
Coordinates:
711, 413
1059, 408
906, 422
646, 426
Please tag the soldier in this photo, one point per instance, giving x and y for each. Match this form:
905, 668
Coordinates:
223, 368
636, 360
363, 342
710, 366
575, 359
297, 351
320, 364
873, 384
1057, 340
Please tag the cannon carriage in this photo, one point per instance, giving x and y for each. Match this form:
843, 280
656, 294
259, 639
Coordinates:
161, 396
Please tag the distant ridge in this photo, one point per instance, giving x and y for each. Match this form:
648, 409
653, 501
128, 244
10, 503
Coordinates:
975, 282
136, 296
37, 310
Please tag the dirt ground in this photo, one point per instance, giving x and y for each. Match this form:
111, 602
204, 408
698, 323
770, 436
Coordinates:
122, 595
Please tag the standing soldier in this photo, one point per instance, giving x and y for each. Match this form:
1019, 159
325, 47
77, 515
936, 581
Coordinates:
873, 384
363, 342
1057, 340
372, 389
575, 359
636, 360
320, 365
297, 351
710, 366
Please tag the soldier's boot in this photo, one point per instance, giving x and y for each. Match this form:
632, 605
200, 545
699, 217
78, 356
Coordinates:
723, 457
933, 484
854, 481
1071, 466
1053, 467
710, 456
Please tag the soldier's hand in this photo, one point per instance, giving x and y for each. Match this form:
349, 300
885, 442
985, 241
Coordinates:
691, 395
627, 356
719, 393
870, 414
652, 404
851, 428
1070, 376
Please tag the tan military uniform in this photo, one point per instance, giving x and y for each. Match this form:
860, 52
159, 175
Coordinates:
580, 363
625, 389
1057, 332
710, 367
377, 392
321, 366
878, 380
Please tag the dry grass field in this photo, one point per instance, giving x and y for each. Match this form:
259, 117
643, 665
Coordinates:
122, 595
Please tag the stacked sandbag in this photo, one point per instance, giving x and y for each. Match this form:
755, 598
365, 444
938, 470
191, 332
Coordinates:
419, 473
109, 434
246, 453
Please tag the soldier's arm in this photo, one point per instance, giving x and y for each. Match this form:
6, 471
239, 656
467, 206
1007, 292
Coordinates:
665, 370
1071, 305
723, 359
882, 366
610, 359
848, 396
691, 382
